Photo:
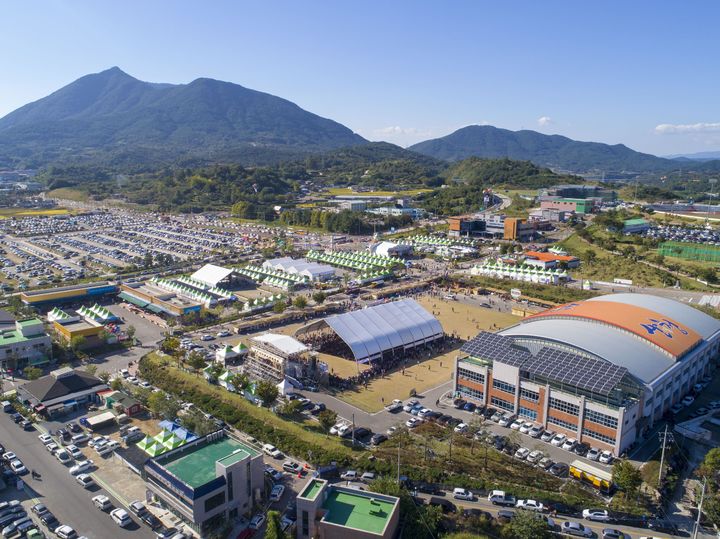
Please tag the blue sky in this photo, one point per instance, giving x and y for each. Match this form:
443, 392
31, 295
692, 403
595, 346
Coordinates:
640, 73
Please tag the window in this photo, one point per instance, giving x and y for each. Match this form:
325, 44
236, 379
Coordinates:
230, 486
214, 501
561, 423
527, 412
500, 403
572, 409
472, 376
504, 386
602, 419
305, 523
532, 396
470, 392
598, 436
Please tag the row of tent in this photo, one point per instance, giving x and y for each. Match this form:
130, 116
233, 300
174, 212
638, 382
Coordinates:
179, 288
261, 303
225, 294
57, 314
97, 313
434, 240
272, 277
356, 260
521, 273
165, 440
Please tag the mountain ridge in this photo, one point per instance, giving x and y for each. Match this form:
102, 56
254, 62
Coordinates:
111, 112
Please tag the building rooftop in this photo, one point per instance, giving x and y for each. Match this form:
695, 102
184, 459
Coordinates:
631, 222
62, 382
197, 466
360, 511
312, 489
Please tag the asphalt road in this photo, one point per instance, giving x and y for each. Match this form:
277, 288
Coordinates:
59, 491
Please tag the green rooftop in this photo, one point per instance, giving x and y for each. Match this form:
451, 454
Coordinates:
312, 489
29, 323
11, 337
196, 466
357, 511
632, 222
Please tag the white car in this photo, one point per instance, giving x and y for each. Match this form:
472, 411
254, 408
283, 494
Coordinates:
145, 385
517, 424
223, 333
461, 428
688, 400
65, 532
121, 517
98, 440
547, 436
569, 444
102, 502
52, 447
74, 452
534, 456
345, 428
207, 338
522, 453
413, 422
257, 522
606, 457
506, 420
558, 440
530, 505
536, 431
463, 494
8, 456
394, 406
81, 467
391, 431
424, 412
409, 405
18, 467
525, 428
85, 480
599, 515
113, 445
336, 427
349, 475
45, 438
276, 493
593, 454
63, 456
273, 451
79, 438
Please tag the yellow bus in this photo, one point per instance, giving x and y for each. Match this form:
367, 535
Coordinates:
597, 477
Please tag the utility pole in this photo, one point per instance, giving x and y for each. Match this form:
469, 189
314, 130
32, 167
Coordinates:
353, 429
696, 529
663, 439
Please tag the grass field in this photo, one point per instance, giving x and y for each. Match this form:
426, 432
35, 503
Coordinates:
336, 191
464, 320
68, 193
20, 212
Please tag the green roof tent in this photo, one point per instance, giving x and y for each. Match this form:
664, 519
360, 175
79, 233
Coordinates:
163, 436
146, 442
173, 443
156, 449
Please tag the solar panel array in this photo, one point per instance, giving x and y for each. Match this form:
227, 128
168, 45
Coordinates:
496, 348
595, 375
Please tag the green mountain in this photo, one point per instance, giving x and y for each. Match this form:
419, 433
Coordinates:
111, 118
553, 151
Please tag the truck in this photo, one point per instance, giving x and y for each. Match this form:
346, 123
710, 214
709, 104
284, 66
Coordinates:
98, 421
500, 497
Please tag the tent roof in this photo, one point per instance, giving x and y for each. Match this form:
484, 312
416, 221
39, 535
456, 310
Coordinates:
284, 343
371, 331
211, 274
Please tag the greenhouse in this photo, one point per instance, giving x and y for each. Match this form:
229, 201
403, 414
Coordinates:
356, 260
530, 274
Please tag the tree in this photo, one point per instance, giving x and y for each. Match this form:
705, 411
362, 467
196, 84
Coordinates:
163, 405
279, 306
130, 331
267, 391
196, 361
526, 525
590, 256
33, 373
711, 463
274, 528
91, 369
626, 476
327, 419
418, 522
116, 384
300, 302
170, 345
240, 381
319, 297
104, 376
291, 408
77, 343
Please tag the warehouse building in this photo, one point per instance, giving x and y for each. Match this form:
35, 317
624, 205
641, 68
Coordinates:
327, 511
601, 371
207, 481
68, 294
147, 295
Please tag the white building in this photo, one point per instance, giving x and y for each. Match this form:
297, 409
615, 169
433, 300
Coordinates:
301, 267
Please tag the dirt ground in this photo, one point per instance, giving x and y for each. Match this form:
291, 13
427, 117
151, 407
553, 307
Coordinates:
466, 320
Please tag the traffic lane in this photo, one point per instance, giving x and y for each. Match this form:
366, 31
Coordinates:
59, 491
597, 527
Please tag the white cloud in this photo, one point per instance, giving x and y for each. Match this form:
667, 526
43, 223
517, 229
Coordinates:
396, 130
702, 127
545, 121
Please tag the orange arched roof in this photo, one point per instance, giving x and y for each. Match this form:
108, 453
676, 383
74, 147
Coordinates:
663, 331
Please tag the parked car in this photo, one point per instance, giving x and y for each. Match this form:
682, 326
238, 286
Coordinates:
85, 480
45, 438
349, 475
606, 457
530, 505
276, 493
558, 440
151, 521
525, 427
120, 517
409, 405
292, 467
257, 521
49, 521
462, 428
395, 406
506, 420
688, 400
18, 467
522, 453
599, 515
413, 422
65, 532
581, 449
500, 497
367, 477
137, 507
547, 436
63, 456
611, 533
378, 438
463, 494
515, 425
576, 528
273, 451
39, 509
593, 454
102, 502
559, 469
536, 431
545, 463
534, 456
